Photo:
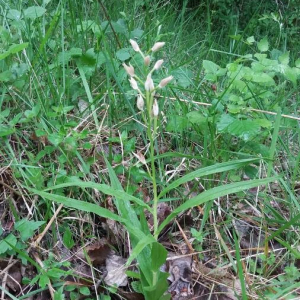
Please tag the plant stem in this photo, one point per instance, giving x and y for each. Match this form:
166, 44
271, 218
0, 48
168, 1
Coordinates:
151, 136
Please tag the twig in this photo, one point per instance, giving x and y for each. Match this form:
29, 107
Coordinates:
9, 265
39, 238
38, 260
109, 22
251, 109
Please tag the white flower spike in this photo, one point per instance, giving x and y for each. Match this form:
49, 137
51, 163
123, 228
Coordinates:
155, 108
133, 83
149, 85
157, 46
165, 81
129, 69
135, 45
158, 64
140, 102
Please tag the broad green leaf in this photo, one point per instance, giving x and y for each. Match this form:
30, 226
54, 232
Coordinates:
244, 129
263, 123
263, 45
11, 240
177, 124
250, 40
158, 256
27, 228
34, 12
144, 242
14, 14
224, 122
6, 130
196, 117
5, 76
183, 76
43, 281
215, 193
297, 63
123, 54
263, 78
292, 74
55, 138
210, 67
217, 168
285, 58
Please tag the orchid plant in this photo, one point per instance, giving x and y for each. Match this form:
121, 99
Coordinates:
148, 105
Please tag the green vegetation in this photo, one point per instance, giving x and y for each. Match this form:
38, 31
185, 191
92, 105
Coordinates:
199, 149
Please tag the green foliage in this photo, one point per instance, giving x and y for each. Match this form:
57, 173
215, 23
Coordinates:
23, 231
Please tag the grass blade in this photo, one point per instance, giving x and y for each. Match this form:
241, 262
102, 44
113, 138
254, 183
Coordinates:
214, 193
217, 168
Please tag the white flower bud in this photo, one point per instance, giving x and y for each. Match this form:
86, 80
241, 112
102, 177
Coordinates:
157, 46
149, 85
158, 64
140, 102
155, 108
147, 60
165, 81
133, 83
135, 45
129, 69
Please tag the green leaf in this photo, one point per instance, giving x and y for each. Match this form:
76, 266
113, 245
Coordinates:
27, 228
123, 54
215, 193
44, 280
210, 67
217, 168
55, 138
196, 117
144, 242
6, 130
250, 40
244, 129
11, 239
34, 12
122, 195
263, 123
85, 291
5, 76
224, 122
263, 78
158, 256
68, 238
15, 48
14, 14
183, 76
89, 207
263, 45
285, 58
177, 124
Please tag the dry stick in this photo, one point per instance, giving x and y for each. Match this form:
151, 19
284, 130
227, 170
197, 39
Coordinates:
40, 236
5, 277
251, 109
10, 188
39, 261
109, 22
187, 241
